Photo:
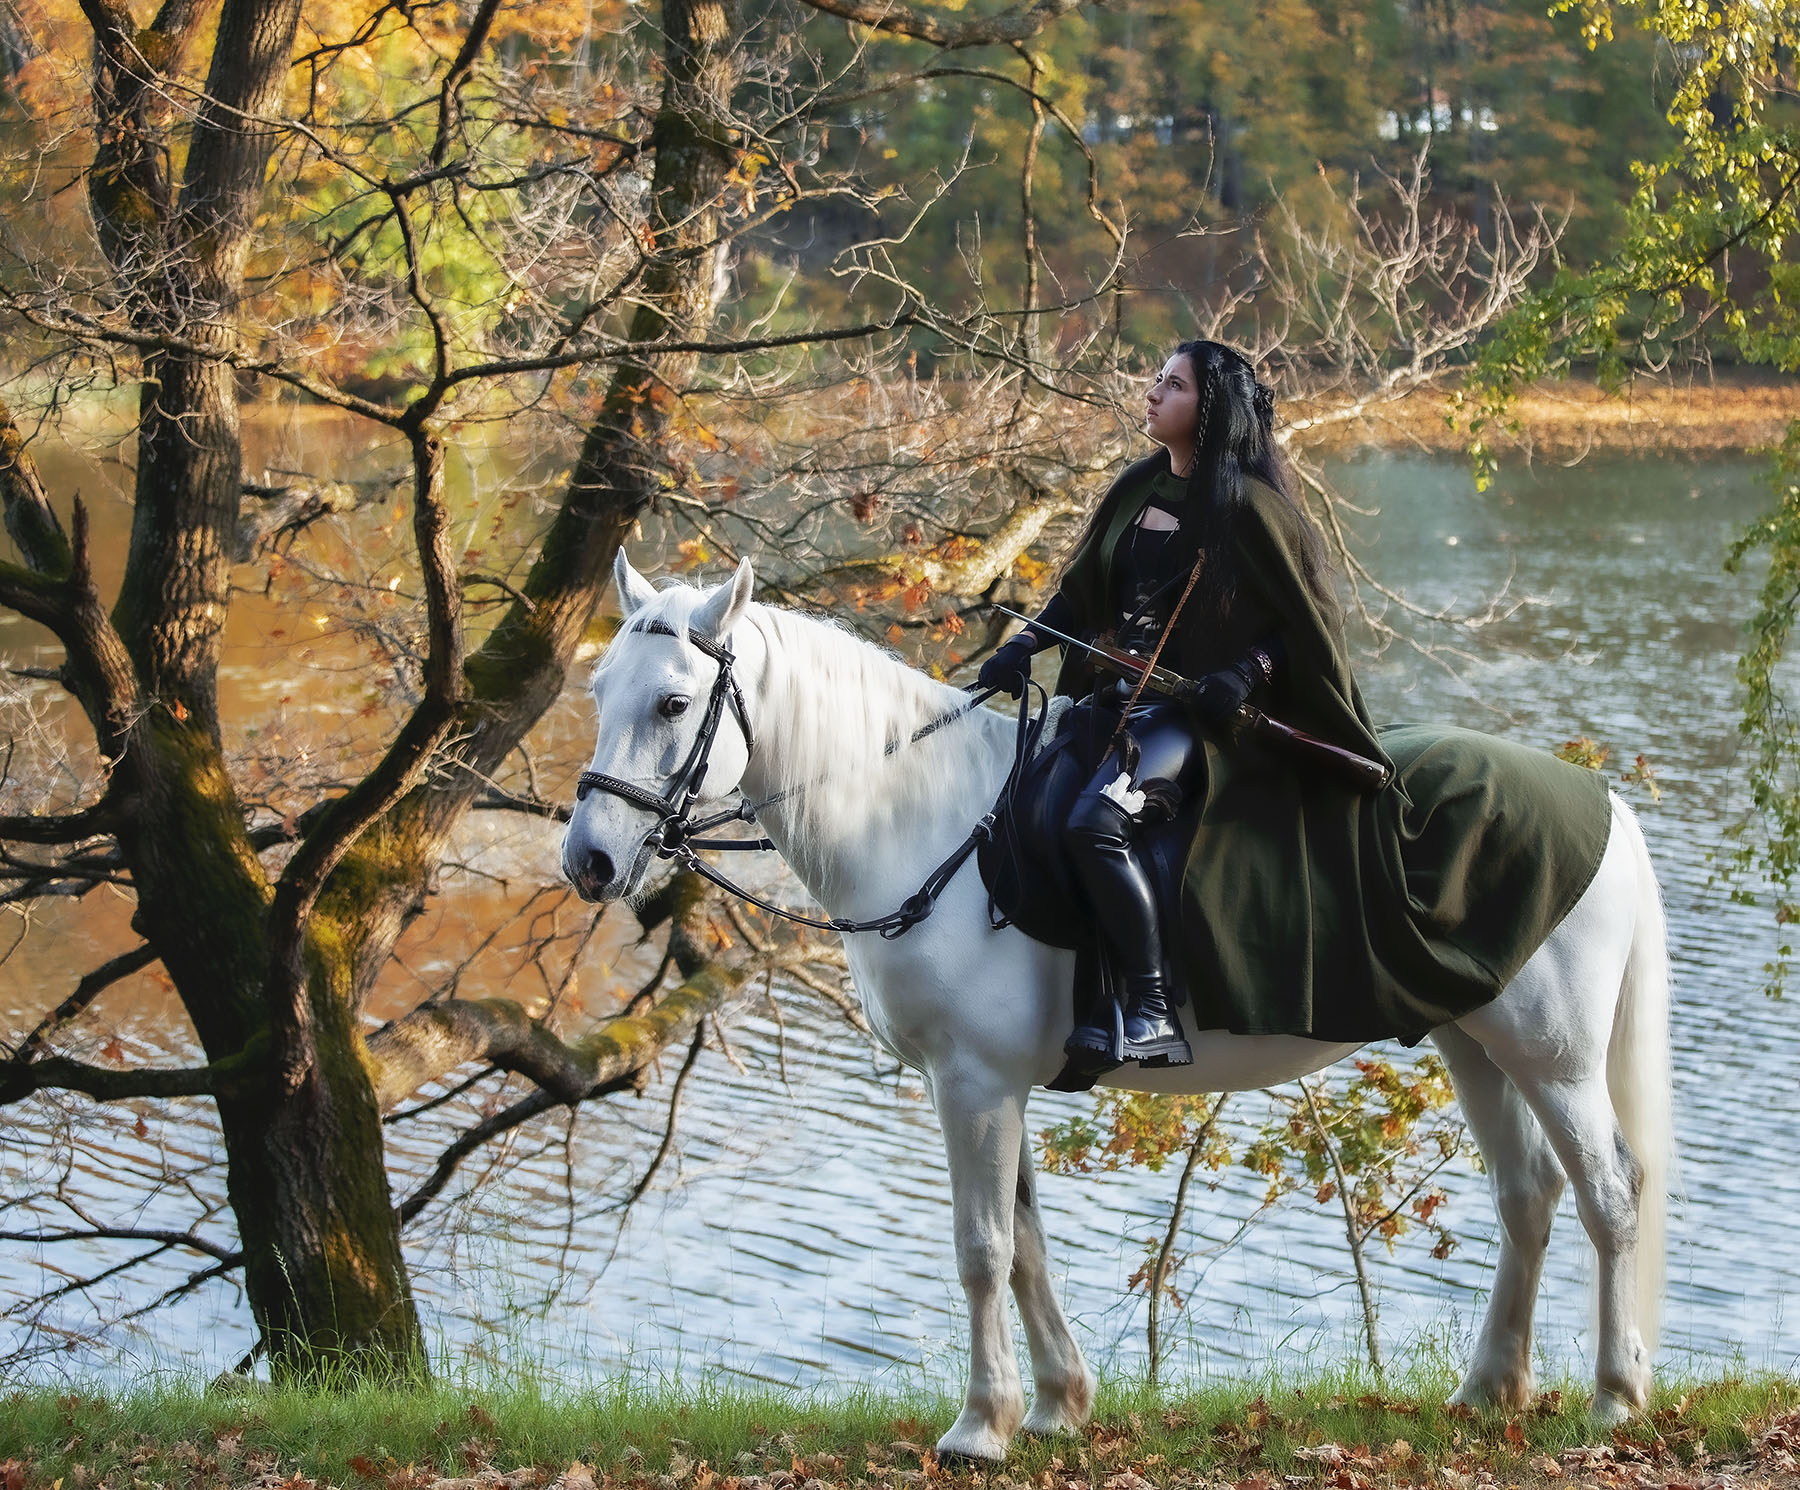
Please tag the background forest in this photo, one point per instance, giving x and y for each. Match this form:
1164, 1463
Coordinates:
1194, 117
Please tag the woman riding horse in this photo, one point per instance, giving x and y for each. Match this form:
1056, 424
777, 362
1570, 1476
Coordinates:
1200, 557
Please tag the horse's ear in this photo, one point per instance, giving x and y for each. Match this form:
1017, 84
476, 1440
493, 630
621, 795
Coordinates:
719, 612
634, 590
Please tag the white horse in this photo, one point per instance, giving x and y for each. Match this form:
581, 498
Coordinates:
1566, 1073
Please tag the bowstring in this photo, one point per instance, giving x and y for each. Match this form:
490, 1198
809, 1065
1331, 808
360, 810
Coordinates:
1155, 652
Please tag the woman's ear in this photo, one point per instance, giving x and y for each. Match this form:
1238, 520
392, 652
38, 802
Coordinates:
634, 590
719, 612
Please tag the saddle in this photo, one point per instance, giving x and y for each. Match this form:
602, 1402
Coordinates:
1031, 883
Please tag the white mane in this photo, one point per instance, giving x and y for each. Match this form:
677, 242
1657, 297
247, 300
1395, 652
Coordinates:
835, 715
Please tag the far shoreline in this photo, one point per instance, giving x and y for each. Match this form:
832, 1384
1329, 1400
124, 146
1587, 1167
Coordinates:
1735, 412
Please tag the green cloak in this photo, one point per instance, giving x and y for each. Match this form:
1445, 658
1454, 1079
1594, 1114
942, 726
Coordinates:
1311, 909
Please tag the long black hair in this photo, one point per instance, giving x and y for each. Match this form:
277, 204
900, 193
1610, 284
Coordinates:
1234, 442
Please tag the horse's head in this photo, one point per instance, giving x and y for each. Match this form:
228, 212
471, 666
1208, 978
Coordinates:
671, 730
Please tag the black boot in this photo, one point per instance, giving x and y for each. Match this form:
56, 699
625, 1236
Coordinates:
1142, 1027
1152, 1032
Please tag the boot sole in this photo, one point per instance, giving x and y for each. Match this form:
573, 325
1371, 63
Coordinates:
1159, 1057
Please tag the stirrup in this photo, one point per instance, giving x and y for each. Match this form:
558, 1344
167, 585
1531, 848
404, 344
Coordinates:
1091, 1051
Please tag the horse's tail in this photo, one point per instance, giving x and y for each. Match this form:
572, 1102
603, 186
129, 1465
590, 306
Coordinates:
1637, 1073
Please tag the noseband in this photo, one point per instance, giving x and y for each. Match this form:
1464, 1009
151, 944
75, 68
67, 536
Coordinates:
675, 829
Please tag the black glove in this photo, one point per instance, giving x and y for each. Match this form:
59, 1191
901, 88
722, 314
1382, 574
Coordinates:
1218, 696
1008, 668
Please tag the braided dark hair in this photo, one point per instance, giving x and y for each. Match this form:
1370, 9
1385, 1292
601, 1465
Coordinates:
1234, 438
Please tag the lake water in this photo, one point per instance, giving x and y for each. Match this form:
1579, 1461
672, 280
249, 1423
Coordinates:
802, 1235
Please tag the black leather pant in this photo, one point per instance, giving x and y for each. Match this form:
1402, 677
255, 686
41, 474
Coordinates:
1101, 836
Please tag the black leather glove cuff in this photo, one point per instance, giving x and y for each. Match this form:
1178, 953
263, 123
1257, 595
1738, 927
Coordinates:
1258, 666
1009, 667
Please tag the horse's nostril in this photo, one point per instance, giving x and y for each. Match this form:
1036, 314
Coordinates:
599, 867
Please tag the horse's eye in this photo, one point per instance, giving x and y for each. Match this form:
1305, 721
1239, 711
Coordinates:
672, 706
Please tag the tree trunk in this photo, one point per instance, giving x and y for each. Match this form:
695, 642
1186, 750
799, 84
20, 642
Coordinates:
309, 1184
267, 973
323, 1266
306, 1176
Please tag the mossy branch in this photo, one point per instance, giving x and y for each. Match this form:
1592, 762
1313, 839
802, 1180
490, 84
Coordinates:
35, 596
351, 815
435, 1039
30, 519
950, 572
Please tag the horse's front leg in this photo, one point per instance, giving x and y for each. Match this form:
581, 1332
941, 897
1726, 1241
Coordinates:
983, 1119
1065, 1385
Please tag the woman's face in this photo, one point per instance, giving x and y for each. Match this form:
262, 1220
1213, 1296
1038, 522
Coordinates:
1172, 406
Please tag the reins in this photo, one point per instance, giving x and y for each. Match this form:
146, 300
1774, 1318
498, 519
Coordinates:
675, 834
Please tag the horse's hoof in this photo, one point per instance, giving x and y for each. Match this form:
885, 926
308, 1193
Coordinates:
1061, 1407
1053, 1424
953, 1461
971, 1444
1512, 1392
1609, 1411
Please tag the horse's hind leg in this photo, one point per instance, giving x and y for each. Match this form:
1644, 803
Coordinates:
983, 1122
1065, 1386
1578, 1116
1527, 1182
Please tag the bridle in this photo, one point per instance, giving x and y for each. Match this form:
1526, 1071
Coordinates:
676, 833
675, 827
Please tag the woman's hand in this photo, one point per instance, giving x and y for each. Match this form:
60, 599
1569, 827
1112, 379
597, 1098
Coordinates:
1009, 668
1218, 696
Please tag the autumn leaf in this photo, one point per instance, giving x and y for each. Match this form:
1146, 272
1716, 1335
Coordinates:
1583, 751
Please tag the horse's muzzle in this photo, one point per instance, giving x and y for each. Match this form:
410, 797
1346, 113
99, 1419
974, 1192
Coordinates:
592, 873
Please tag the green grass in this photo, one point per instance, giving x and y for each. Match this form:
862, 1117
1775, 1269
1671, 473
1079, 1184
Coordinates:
163, 1437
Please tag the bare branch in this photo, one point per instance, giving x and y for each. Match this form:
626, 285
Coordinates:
91, 986
228, 1255
239, 1073
351, 814
450, 94
67, 827
503, 1121
668, 1137
1020, 23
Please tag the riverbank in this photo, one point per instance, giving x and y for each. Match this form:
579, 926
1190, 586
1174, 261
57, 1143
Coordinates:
1735, 411
1717, 1435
